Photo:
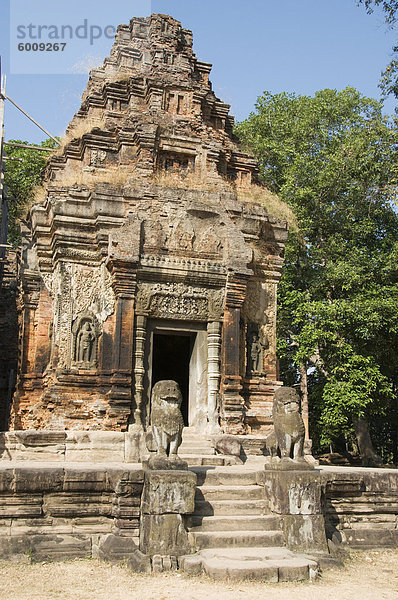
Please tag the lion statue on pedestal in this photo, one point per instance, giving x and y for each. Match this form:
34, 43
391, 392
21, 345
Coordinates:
286, 444
167, 424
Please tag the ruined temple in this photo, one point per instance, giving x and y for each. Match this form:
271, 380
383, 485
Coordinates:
149, 259
149, 256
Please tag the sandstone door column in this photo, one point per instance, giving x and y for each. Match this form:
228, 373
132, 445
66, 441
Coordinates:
139, 370
124, 285
232, 408
213, 374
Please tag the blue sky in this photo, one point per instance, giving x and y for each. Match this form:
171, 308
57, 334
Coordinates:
255, 45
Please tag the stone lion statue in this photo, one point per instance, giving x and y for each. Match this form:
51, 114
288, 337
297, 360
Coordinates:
288, 424
166, 418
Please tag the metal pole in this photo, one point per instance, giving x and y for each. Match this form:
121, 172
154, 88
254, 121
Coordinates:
2, 98
4, 203
40, 148
31, 118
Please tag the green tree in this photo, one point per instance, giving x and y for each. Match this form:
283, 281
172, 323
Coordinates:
332, 158
22, 175
389, 78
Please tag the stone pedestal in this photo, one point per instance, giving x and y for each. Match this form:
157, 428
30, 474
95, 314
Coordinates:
297, 497
166, 497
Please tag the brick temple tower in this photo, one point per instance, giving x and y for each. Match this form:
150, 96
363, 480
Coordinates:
149, 256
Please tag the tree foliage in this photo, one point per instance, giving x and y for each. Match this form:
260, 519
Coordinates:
332, 158
22, 175
389, 77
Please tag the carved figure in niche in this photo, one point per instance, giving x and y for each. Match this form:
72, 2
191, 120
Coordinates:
289, 428
255, 359
167, 424
256, 352
84, 342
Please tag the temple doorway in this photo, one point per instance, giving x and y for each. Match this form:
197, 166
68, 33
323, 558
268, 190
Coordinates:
178, 350
171, 356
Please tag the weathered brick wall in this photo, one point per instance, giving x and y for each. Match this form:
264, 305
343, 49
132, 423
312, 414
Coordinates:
51, 512
361, 507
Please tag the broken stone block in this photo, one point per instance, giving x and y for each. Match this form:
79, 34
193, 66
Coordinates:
139, 563
115, 548
227, 444
191, 564
168, 492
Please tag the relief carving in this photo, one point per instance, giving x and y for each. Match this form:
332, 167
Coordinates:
216, 304
177, 300
79, 291
154, 235
183, 237
97, 158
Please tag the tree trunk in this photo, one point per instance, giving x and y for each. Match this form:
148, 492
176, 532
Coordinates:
394, 435
304, 399
368, 455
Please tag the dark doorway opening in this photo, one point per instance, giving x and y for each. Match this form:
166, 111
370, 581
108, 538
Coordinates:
170, 360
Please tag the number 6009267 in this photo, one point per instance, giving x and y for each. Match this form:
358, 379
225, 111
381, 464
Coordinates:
42, 47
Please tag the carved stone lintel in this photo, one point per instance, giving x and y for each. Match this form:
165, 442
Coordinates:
179, 301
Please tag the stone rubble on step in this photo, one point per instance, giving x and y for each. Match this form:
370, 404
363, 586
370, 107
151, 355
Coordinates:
198, 450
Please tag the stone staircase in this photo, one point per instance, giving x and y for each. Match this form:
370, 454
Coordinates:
197, 450
234, 534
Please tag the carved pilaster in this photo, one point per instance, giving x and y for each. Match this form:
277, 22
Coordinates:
124, 285
232, 409
30, 302
259, 315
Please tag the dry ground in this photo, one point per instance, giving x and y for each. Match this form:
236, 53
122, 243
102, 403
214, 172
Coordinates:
367, 576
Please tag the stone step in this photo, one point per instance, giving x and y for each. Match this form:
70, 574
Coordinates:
233, 475
230, 507
229, 492
268, 564
197, 441
208, 460
241, 539
192, 434
235, 523
191, 449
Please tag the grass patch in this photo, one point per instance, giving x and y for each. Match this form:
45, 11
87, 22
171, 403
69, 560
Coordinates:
250, 194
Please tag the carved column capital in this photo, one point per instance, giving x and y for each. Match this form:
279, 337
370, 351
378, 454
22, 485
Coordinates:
124, 277
236, 289
31, 289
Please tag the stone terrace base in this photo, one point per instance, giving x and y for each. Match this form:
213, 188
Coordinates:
53, 511
113, 446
